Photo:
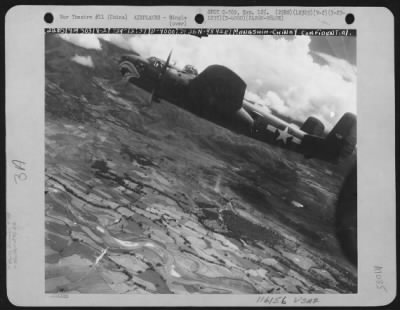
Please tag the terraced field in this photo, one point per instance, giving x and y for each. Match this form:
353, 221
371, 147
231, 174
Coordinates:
146, 199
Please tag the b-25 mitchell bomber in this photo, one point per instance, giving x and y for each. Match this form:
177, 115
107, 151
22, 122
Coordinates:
218, 95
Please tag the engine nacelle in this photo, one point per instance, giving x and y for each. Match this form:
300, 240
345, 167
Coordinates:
217, 90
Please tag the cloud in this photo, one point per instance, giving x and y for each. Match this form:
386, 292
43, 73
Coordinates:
281, 74
89, 41
83, 60
120, 40
340, 66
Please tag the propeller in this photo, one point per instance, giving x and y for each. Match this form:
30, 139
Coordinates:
160, 78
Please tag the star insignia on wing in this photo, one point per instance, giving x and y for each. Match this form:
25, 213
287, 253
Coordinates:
283, 135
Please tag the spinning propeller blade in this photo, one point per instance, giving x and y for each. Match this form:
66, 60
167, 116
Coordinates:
166, 65
160, 78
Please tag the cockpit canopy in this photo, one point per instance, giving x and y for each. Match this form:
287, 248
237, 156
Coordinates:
156, 62
190, 69
159, 63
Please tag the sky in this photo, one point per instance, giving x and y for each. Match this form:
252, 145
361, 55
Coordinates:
295, 76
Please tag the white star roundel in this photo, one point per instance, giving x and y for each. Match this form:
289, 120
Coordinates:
283, 135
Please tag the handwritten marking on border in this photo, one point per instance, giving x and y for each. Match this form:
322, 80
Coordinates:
20, 175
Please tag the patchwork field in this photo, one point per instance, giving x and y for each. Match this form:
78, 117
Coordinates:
151, 199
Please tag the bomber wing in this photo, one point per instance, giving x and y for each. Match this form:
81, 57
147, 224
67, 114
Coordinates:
272, 122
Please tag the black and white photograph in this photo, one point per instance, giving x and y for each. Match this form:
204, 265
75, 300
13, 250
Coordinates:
179, 164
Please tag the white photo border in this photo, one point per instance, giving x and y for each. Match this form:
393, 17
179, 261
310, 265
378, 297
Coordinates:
24, 43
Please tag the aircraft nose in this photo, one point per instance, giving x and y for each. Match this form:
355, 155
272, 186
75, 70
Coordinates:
128, 68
